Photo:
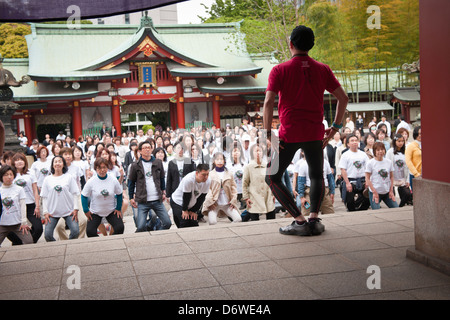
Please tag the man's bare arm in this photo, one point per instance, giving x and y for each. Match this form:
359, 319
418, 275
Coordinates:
269, 103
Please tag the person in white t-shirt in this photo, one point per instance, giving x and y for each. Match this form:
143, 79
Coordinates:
23, 139
401, 172
59, 195
146, 189
41, 167
352, 164
79, 161
304, 185
403, 124
77, 174
26, 179
13, 213
103, 189
380, 178
236, 167
188, 198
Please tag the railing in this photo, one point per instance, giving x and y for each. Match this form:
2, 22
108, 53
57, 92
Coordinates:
91, 132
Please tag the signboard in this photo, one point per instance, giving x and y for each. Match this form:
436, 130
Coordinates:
147, 74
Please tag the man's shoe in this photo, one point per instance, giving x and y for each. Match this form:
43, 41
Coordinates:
316, 226
296, 229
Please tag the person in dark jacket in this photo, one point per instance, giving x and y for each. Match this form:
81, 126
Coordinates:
178, 168
146, 188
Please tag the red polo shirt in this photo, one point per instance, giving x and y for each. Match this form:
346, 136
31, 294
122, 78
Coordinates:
300, 84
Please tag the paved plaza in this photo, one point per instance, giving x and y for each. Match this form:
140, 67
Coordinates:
250, 261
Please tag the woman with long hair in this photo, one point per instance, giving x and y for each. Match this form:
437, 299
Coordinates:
397, 155
59, 195
28, 182
369, 141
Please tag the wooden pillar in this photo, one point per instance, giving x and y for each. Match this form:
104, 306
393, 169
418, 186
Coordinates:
77, 127
216, 111
115, 113
173, 115
28, 133
180, 104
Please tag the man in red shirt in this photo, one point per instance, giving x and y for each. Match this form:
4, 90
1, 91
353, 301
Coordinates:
300, 84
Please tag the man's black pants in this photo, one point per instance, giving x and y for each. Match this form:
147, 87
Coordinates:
280, 161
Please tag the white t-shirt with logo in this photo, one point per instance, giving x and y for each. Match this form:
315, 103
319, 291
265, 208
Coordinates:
238, 174
83, 164
102, 194
354, 163
26, 182
304, 172
41, 170
76, 173
380, 174
12, 213
152, 193
399, 167
189, 184
59, 192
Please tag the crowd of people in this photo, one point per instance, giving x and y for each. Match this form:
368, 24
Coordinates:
83, 187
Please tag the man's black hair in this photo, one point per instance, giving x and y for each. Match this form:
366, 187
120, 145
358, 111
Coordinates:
202, 167
302, 37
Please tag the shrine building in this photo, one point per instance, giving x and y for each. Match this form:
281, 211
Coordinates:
98, 74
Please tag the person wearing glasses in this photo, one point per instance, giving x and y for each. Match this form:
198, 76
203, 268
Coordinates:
146, 188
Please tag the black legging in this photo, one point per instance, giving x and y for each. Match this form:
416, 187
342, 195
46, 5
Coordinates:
281, 160
115, 222
36, 226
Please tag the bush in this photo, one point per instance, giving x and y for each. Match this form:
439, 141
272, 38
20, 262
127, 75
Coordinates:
146, 127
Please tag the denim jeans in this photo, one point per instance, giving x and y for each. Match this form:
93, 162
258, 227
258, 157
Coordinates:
382, 197
50, 228
144, 211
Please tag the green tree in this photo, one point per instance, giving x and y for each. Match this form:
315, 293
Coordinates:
267, 24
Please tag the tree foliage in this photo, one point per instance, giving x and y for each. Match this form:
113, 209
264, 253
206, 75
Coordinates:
12, 40
343, 39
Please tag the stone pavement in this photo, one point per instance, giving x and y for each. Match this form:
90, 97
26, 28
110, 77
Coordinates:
250, 261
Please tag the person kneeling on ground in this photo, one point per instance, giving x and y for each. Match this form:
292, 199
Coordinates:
103, 190
222, 195
189, 197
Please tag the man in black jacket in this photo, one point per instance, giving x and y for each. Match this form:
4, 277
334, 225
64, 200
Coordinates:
146, 188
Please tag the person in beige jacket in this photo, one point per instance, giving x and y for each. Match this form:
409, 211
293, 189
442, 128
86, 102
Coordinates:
255, 191
222, 194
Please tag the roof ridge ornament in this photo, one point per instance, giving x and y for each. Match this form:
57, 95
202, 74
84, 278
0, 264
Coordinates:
146, 21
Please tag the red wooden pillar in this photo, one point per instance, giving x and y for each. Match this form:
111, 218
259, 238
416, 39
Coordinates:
77, 127
173, 115
216, 111
180, 104
115, 113
28, 133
